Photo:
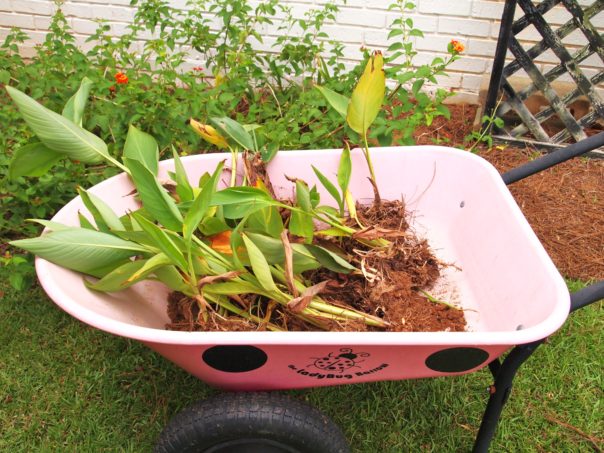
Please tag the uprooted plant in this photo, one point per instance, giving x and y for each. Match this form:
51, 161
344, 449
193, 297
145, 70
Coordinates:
275, 264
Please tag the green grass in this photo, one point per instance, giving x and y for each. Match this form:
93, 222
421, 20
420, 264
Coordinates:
68, 387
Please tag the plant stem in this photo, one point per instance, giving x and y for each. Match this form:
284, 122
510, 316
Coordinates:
378, 199
438, 301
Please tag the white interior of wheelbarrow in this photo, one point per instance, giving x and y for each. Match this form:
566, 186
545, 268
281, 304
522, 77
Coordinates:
502, 277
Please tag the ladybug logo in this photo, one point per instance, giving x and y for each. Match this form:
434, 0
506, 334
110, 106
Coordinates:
340, 361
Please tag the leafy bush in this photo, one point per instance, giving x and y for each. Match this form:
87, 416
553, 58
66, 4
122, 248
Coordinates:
139, 78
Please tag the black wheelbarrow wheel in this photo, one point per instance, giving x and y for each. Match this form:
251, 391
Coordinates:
251, 423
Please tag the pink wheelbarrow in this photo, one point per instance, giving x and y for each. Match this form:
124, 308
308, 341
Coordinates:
512, 295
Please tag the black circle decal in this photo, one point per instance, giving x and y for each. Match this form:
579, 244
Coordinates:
234, 359
456, 359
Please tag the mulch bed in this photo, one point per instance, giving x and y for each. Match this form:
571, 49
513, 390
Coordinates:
564, 205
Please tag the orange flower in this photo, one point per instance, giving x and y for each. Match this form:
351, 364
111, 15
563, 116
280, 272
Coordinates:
121, 78
221, 242
112, 88
457, 47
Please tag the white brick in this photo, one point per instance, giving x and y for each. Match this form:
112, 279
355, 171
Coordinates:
436, 43
366, 18
471, 82
481, 47
487, 10
16, 20
445, 7
427, 24
464, 26
469, 64
84, 26
113, 13
43, 8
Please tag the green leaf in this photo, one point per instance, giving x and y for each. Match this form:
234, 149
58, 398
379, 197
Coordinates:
142, 147
368, 95
235, 131
273, 251
80, 249
60, 134
117, 279
201, 204
330, 260
34, 159
344, 169
84, 222
183, 187
259, 265
74, 108
162, 241
155, 198
338, 101
173, 279
267, 220
237, 202
234, 287
332, 189
54, 226
301, 223
103, 215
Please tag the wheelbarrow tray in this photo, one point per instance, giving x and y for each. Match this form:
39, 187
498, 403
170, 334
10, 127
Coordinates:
502, 277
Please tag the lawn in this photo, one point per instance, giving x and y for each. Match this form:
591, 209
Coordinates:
68, 387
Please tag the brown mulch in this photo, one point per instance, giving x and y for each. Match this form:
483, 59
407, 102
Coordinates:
564, 204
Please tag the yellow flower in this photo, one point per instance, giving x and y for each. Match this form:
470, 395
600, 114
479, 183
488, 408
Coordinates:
209, 134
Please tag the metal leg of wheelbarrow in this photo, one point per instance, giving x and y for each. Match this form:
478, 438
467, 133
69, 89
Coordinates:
504, 372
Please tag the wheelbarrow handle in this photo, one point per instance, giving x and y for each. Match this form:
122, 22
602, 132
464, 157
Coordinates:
554, 158
589, 295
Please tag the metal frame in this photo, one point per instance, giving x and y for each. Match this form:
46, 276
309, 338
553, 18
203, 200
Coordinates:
552, 40
504, 372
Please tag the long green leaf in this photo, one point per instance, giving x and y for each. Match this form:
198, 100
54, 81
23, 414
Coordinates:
330, 260
74, 108
237, 287
331, 188
183, 187
235, 131
118, 279
201, 204
103, 215
272, 249
301, 223
60, 134
237, 202
173, 279
344, 169
34, 159
142, 147
80, 249
338, 101
162, 241
259, 265
368, 96
155, 199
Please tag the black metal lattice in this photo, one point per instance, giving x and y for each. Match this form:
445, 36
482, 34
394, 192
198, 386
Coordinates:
531, 129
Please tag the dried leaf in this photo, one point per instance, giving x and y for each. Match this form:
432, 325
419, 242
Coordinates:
298, 304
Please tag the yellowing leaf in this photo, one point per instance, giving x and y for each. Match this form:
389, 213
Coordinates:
368, 95
209, 134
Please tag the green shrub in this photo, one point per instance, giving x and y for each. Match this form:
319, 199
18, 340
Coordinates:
143, 82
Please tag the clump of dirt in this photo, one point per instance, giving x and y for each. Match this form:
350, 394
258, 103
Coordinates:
394, 285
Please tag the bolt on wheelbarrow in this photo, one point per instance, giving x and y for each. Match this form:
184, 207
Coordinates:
515, 295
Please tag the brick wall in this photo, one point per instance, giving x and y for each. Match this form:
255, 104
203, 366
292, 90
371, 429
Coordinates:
360, 22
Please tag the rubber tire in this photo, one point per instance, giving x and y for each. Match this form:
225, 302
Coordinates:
266, 417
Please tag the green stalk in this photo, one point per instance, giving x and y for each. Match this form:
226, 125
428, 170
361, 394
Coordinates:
241, 312
371, 171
